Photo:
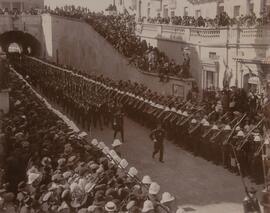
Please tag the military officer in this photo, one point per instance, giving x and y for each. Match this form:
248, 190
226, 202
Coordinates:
157, 136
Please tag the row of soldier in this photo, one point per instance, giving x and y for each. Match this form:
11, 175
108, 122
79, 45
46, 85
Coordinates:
226, 138
50, 166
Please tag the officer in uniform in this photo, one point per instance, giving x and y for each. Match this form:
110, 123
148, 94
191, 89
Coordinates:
250, 202
157, 136
118, 124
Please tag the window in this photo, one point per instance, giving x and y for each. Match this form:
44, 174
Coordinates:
212, 55
267, 8
220, 9
197, 13
148, 12
121, 2
16, 6
236, 11
185, 11
172, 13
251, 7
209, 79
165, 11
6, 5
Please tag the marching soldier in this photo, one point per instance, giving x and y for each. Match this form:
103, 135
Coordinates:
250, 202
118, 124
157, 136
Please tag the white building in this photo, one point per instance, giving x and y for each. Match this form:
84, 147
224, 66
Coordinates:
21, 5
205, 8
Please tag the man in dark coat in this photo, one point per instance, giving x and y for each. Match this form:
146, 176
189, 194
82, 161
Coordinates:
118, 124
158, 135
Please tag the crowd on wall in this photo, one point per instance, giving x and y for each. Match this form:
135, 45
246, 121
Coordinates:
48, 165
119, 30
16, 12
221, 20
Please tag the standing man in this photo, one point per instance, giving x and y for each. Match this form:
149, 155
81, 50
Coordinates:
158, 135
118, 123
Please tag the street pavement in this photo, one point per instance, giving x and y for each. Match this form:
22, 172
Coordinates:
198, 185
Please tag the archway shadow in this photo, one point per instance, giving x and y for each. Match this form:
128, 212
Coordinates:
25, 40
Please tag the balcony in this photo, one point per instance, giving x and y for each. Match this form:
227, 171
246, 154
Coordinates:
206, 36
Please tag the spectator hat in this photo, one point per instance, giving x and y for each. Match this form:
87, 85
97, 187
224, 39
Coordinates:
82, 135
180, 210
116, 143
110, 207
94, 142
167, 197
147, 206
193, 121
154, 188
146, 179
32, 177
214, 127
130, 204
133, 172
240, 134
227, 127
257, 138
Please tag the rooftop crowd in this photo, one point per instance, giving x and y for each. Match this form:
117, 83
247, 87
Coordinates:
221, 20
16, 12
51, 166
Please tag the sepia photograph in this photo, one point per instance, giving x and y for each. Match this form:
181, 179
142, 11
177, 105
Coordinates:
134, 106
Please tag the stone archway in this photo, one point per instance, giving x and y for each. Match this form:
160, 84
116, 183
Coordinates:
28, 43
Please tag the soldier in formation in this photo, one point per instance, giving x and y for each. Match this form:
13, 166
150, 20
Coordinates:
218, 128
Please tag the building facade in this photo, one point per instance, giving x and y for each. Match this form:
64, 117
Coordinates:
21, 5
215, 53
204, 8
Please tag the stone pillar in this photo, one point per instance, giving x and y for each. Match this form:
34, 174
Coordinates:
139, 8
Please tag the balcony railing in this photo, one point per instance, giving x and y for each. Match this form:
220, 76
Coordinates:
222, 35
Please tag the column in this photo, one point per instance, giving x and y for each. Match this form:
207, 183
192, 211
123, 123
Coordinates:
139, 8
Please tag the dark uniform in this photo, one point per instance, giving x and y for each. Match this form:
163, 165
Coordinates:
251, 203
158, 135
118, 124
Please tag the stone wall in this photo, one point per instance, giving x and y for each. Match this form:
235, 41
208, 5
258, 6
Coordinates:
75, 43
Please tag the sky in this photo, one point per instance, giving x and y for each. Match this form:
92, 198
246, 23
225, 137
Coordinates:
93, 5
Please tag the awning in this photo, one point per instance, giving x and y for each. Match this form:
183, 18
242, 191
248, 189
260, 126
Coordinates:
253, 60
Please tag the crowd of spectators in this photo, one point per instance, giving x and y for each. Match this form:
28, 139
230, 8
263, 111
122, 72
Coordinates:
221, 20
50, 166
16, 12
119, 30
